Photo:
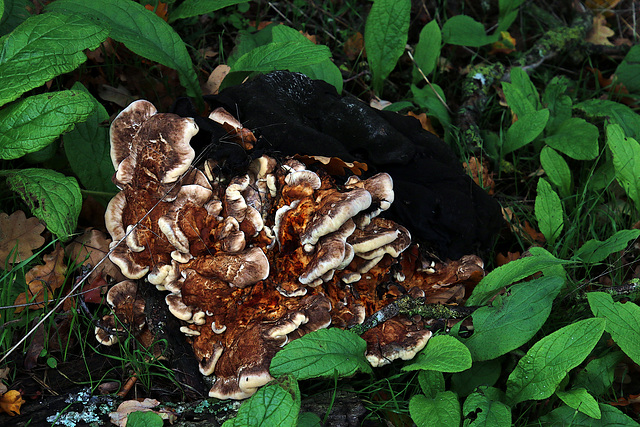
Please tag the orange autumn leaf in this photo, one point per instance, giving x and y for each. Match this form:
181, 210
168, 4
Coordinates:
600, 32
599, 5
425, 122
10, 402
354, 46
44, 280
502, 259
162, 10
19, 236
479, 171
506, 44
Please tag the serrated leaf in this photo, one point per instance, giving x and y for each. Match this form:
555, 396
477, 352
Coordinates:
427, 50
385, 37
576, 138
33, 123
582, 401
525, 130
626, 161
549, 211
597, 376
189, 8
628, 72
594, 250
281, 56
479, 410
144, 419
443, 353
514, 319
556, 169
623, 321
480, 374
52, 197
463, 30
43, 47
617, 113
321, 354
443, 410
270, 406
141, 30
511, 273
565, 416
541, 370
19, 236
431, 382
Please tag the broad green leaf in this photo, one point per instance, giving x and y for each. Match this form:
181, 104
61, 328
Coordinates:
541, 370
272, 405
596, 251
463, 30
43, 47
385, 37
520, 79
628, 72
582, 401
556, 169
443, 410
427, 50
281, 56
443, 353
549, 212
431, 382
514, 319
426, 98
576, 138
141, 30
617, 113
480, 374
52, 197
623, 321
597, 376
566, 416
190, 8
516, 100
321, 354
626, 161
15, 13
525, 130
144, 419
508, 13
602, 177
480, 411
511, 273
31, 124
1, 9
309, 419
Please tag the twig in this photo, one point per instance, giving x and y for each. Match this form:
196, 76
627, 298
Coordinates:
428, 82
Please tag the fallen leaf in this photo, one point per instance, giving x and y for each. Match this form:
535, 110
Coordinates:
10, 402
506, 44
379, 104
89, 249
119, 417
311, 38
600, 32
4, 375
425, 122
19, 236
44, 279
162, 10
354, 46
215, 79
479, 171
502, 259
525, 231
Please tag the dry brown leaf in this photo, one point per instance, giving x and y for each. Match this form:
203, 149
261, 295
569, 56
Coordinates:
44, 280
119, 417
16, 229
502, 259
425, 122
311, 38
162, 10
215, 79
89, 249
601, 4
10, 402
354, 46
379, 104
527, 232
600, 32
479, 171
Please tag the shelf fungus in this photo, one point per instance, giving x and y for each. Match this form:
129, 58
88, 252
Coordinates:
255, 260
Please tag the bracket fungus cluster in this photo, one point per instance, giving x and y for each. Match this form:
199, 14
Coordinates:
255, 260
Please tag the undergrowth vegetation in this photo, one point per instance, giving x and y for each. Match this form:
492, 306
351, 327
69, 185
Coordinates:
536, 99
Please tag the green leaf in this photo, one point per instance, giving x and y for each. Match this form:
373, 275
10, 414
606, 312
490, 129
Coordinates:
549, 211
141, 30
566, 416
463, 30
617, 113
426, 98
511, 273
626, 161
582, 401
309, 419
1, 9
556, 169
513, 320
281, 56
443, 353
443, 410
479, 410
541, 370
431, 382
190, 8
385, 37
52, 197
144, 419
623, 321
41, 48
520, 79
628, 72
427, 50
525, 130
517, 100
594, 250
272, 405
597, 376
576, 138
15, 13
480, 374
508, 13
31, 124
320, 354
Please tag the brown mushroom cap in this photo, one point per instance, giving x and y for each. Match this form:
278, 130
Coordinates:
239, 269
